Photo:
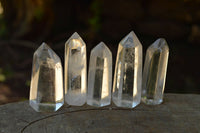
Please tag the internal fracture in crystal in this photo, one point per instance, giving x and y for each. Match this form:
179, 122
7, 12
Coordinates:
75, 71
46, 91
128, 72
100, 76
154, 75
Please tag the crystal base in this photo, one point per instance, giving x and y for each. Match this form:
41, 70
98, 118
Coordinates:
45, 107
98, 103
151, 101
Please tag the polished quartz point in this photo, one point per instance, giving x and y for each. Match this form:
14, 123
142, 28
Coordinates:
75, 71
128, 72
100, 76
154, 75
46, 91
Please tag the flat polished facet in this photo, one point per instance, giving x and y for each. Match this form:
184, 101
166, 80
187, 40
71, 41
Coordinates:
75, 71
46, 91
154, 75
128, 72
100, 76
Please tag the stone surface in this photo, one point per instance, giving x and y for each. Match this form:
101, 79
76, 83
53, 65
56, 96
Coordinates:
128, 72
179, 113
46, 91
75, 71
100, 76
154, 74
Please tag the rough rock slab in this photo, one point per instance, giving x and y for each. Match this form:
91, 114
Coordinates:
180, 113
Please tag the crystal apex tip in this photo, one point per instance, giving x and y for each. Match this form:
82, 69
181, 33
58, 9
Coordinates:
161, 44
130, 40
131, 34
44, 46
75, 35
102, 44
101, 50
161, 40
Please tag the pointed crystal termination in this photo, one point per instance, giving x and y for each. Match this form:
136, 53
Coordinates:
100, 76
154, 75
128, 72
46, 91
75, 71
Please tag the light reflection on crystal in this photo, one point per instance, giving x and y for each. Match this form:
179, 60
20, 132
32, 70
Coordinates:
105, 84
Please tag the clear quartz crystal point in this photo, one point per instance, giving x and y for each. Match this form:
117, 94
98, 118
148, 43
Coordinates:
128, 72
154, 75
46, 91
75, 71
100, 76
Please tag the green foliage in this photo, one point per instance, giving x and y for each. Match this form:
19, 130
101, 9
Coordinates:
38, 13
23, 99
3, 28
8, 71
28, 82
6, 74
2, 76
94, 21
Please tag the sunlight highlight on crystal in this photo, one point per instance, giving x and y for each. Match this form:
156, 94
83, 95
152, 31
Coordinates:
46, 91
75, 70
128, 72
100, 76
154, 75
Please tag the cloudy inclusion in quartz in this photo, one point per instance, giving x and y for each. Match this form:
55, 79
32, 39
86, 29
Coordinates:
75, 71
46, 91
128, 72
100, 76
154, 75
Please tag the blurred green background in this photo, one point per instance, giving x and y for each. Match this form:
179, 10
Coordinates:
25, 24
